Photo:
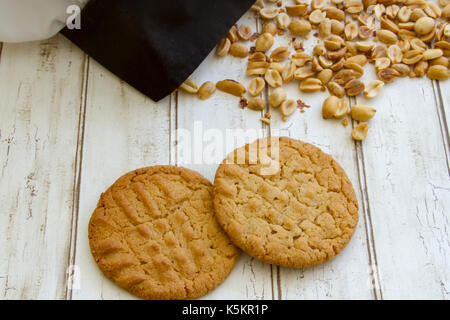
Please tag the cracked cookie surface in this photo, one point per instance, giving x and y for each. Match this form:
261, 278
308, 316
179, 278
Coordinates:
154, 234
286, 202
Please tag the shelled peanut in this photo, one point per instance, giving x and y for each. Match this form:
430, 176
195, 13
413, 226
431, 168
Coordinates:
400, 38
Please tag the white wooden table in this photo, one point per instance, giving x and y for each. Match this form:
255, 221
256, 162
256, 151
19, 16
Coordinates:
69, 129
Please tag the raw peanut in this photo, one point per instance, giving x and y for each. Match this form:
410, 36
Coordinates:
334, 107
337, 27
310, 85
269, 27
257, 68
364, 32
319, 50
232, 87
335, 13
303, 73
324, 62
444, 46
300, 58
189, 86
380, 51
332, 44
244, 32
365, 20
283, 21
446, 11
368, 3
420, 69
351, 31
362, 112
325, 28
432, 10
338, 54
276, 66
438, 72
338, 65
406, 25
335, 89
391, 11
417, 44
206, 90
316, 16
351, 48
432, 54
357, 69
257, 57
344, 76
429, 37
379, 10
447, 30
297, 10
256, 86
325, 76
373, 88
268, 13
412, 56
300, 27
266, 121
238, 50
258, 5
232, 34
264, 42
315, 65
354, 87
404, 45
280, 54
404, 34
359, 132
223, 47
359, 59
388, 74
424, 25
288, 71
256, 104
382, 63
353, 6
288, 107
403, 69
277, 97
443, 61
387, 24
394, 53
273, 78
336, 2
387, 36
317, 4
417, 13
364, 46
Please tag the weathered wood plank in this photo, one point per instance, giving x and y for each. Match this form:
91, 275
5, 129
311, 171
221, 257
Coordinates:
124, 131
40, 90
251, 279
404, 159
348, 275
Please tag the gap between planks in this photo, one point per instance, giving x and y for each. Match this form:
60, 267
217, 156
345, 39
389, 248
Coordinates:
77, 179
442, 120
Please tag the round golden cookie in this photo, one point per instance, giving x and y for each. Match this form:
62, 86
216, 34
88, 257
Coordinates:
285, 202
154, 234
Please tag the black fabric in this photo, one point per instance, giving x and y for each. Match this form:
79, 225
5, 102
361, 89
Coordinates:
154, 45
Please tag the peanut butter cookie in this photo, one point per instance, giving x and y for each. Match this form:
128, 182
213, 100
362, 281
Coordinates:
154, 234
285, 202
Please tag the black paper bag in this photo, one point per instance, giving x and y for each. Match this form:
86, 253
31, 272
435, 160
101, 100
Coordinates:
154, 45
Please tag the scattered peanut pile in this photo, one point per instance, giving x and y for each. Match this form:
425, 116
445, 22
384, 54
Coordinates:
399, 37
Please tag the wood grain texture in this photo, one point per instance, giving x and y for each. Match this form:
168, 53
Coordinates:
39, 104
408, 189
208, 122
348, 275
124, 131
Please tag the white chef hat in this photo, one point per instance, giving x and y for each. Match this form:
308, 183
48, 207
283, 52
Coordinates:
29, 20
